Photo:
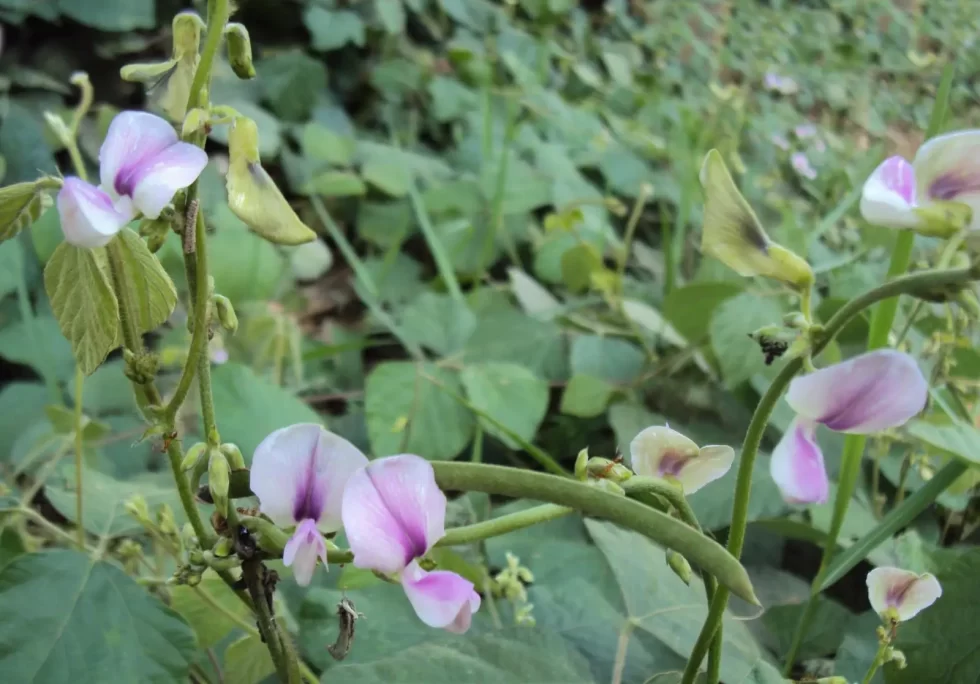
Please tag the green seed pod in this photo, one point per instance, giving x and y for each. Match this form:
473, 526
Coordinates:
239, 51
226, 313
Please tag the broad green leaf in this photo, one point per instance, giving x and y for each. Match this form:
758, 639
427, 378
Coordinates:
151, 290
438, 322
954, 438
336, 184
731, 324
38, 343
385, 223
291, 81
858, 649
245, 267
104, 499
661, 604
60, 606
332, 30
20, 205
586, 396
83, 301
511, 394
940, 643
111, 15
11, 267
609, 358
210, 624
23, 144
387, 176
824, 635
406, 412
247, 661
689, 308
506, 334
577, 266
533, 297
652, 321
20, 404
392, 15
249, 407
321, 144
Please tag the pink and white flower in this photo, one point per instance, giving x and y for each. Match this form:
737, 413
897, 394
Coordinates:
801, 164
869, 393
659, 451
394, 513
299, 474
901, 594
142, 165
946, 168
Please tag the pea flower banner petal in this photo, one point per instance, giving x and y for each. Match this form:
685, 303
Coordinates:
299, 474
901, 594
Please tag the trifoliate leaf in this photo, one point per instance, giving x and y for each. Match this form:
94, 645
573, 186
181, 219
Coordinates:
152, 292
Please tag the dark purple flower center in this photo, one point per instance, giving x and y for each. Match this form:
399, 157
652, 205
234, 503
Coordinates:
413, 531
671, 463
896, 595
308, 502
951, 185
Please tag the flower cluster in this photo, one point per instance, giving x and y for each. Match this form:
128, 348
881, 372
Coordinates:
898, 595
391, 510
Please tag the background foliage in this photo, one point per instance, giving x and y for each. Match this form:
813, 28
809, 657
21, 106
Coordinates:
508, 202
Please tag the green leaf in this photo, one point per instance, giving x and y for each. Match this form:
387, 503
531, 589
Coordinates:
111, 15
406, 412
387, 176
332, 30
533, 297
245, 267
731, 324
335, 184
38, 343
659, 603
23, 144
20, 404
321, 144
825, 633
291, 81
60, 605
20, 205
957, 438
250, 407
609, 358
649, 319
392, 15
439, 322
11, 267
689, 308
247, 661
310, 260
105, 497
506, 334
940, 643
586, 396
151, 290
210, 624
83, 301
577, 266
510, 394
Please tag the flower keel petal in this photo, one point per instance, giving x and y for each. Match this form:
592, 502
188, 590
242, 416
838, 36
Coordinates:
441, 598
88, 217
797, 465
302, 550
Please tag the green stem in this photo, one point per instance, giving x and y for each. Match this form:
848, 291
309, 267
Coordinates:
879, 659
251, 573
631, 224
79, 457
598, 503
921, 282
217, 18
504, 524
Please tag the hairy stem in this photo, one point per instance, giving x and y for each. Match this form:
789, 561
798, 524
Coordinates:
79, 458
252, 574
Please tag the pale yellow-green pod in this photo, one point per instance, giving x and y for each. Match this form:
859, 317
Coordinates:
253, 195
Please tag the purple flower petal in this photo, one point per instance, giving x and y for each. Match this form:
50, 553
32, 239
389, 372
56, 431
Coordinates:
904, 592
801, 164
133, 139
947, 167
441, 598
393, 512
797, 465
159, 178
889, 195
302, 550
871, 392
300, 472
659, 451
88, 217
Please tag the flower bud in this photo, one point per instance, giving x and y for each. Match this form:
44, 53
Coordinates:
155, 231
166, 521
239, 51
603, 468
136, 507
193, 455
234, 456
141, 368
195, 120
679, 565
226, 313
253, 195
219, 481
224, 547
897, 657
581, 465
